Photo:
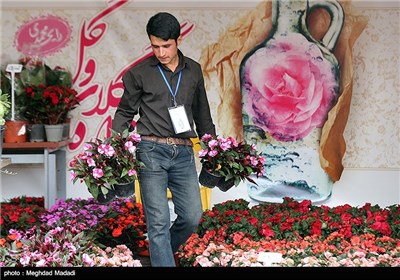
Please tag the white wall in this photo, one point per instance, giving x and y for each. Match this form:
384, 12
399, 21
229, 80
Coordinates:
355, 188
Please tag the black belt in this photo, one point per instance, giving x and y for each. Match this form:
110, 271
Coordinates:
168, 140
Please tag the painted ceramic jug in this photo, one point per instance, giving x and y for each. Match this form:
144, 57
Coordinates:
289, 83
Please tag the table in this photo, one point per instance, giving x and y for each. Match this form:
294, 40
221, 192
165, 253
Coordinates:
52, 155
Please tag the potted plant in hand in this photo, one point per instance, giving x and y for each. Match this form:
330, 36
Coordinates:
228, 161
105, 165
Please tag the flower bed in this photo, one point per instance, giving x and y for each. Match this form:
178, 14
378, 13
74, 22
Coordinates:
74, 232
82, 232
232, 234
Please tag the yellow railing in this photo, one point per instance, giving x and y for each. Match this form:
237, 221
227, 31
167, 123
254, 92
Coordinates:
204, 192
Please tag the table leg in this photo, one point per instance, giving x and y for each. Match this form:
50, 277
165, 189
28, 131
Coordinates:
61, 161
52, 182
46, 178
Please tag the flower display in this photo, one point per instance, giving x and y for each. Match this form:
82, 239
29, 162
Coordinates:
104, 163
48, 93
119, 222
230, 159
43, 94
50, 104
76, 232
20, 213
124, 224
231, 234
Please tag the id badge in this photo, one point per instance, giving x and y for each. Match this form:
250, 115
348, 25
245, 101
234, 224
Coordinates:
179, 119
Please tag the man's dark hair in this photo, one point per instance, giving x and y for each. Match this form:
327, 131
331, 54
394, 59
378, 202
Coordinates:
164, 25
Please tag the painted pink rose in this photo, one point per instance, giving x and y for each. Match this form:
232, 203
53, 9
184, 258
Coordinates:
290, 88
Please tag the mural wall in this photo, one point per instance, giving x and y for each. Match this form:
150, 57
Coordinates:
106, 38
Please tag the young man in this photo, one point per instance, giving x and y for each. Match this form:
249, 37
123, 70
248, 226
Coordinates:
167, 91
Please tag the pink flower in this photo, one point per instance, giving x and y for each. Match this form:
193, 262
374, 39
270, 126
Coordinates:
87, 146
130, 147
106, 149
206, 137
203, 153
225, 145
213, 153
97, 173
212, 144
132, 172
73, 175
87, 260
290, 87
41, 263
254, 161
91, 162
135, 137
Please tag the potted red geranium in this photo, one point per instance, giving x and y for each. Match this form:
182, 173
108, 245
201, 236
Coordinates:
47, 97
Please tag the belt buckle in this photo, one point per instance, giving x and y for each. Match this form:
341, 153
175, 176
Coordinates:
170, 141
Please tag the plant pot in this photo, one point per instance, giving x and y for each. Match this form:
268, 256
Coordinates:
36, 132
104, 199
208, 179
54, 132
2, 127
15, 131
66, 129
225, 185
124, 190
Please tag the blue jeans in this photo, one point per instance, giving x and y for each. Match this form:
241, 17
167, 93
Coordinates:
172, 167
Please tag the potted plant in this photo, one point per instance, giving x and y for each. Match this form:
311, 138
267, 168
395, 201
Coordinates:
5, 105
228, 161
108, 165
48, 96
50, 105
35, 113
